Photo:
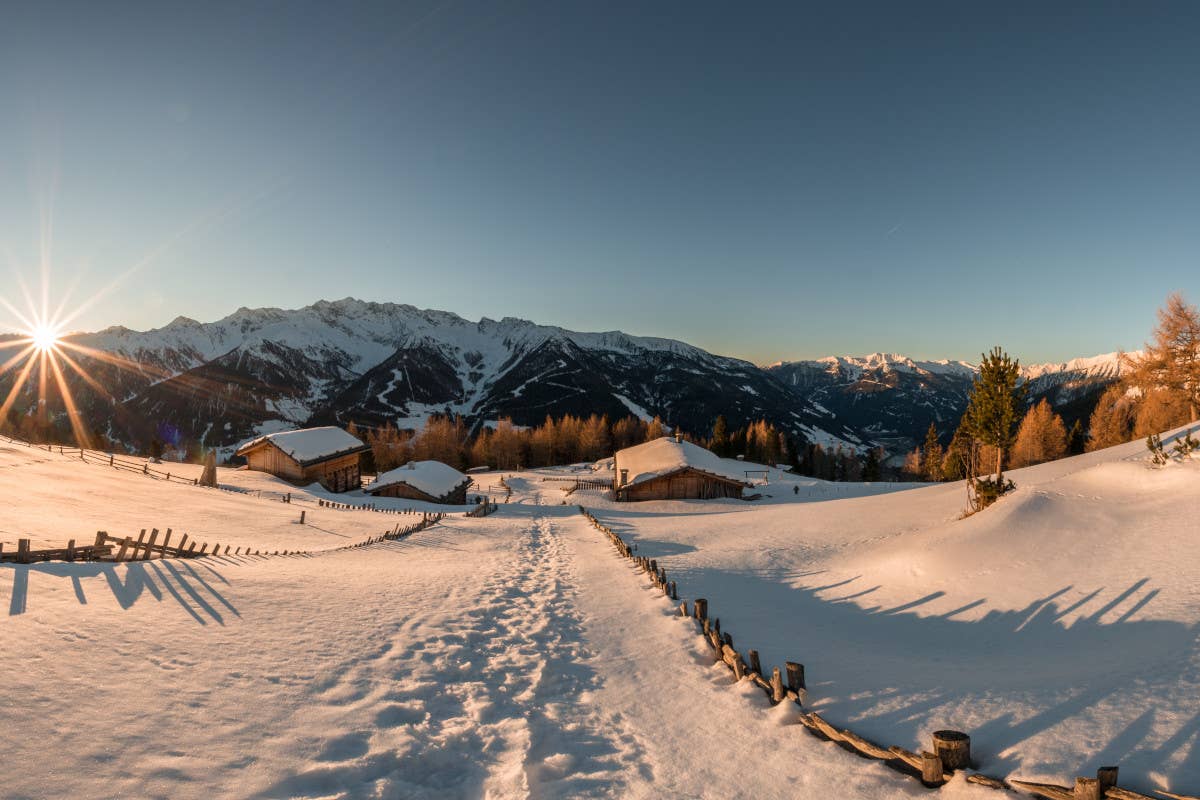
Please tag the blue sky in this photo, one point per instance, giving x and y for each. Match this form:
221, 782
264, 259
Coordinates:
763, 181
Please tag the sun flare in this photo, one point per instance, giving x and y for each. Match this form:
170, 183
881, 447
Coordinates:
44, 337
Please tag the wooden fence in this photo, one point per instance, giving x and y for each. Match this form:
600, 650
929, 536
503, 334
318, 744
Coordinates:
950, 750
125, 548
483, 509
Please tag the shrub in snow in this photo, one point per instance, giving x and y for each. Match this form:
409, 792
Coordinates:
1185, 446
1158, 456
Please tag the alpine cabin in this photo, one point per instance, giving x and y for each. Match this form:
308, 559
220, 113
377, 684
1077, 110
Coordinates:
328, 456
672, 469
430, 481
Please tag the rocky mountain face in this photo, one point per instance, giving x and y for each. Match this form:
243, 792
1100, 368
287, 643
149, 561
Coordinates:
891, 399
259, 370
268, 369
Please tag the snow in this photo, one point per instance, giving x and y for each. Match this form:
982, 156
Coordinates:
1058, 627
431, 477
516, 656
638, 411
307, 444
665, 455
480, 658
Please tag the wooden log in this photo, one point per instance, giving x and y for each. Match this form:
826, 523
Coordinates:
865, 746
1048, 790
1087, 789
985, 780
795, 676
954, 748
931, 769
777, 694
1118, 793
701, 608
100, 537
755, 666
727, 638
907, 756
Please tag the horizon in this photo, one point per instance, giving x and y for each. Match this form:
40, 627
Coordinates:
14, 331
775, 184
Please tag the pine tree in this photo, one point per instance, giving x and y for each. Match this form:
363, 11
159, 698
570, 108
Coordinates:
994, 407
720, 437
931, 455
1077, 438
870, 472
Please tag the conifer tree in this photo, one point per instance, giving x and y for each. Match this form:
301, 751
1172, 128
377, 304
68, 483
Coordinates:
993, 410
720, 438
1041, 437
870, 472
931, 455
1112, 420
1171, 362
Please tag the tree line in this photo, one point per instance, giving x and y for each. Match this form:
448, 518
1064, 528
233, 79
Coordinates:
1159, 389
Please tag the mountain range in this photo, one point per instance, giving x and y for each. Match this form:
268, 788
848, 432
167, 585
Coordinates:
259, 370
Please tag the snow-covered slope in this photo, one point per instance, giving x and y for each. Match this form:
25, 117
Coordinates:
1060, 628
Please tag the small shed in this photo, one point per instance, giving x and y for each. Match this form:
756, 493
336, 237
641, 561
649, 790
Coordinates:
430, 481
328, 456
672, 469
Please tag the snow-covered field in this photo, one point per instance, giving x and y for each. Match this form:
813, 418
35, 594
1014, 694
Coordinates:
517, 656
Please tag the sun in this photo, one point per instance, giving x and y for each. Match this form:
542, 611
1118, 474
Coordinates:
44, 337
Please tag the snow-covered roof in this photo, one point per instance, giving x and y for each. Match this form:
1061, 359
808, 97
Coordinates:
431, 477
665, 456
308, 445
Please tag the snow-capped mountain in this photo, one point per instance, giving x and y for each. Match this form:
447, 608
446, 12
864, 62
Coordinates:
892, 399
265, 369
260, 370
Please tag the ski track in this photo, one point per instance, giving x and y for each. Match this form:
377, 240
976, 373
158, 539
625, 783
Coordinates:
492, 701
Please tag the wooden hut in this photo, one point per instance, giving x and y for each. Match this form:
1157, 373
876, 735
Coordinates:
328, 456
430, 481
672, 469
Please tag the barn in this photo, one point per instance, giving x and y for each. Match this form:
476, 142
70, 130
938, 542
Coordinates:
328, 456
672, 469
431, 481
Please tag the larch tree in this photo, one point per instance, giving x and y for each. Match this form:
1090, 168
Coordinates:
1041, 437
1112, 420
1171, 361
994, 408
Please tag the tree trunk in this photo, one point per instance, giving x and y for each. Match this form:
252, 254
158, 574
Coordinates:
999, 470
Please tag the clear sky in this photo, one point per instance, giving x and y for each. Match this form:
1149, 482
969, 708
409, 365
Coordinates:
763, 181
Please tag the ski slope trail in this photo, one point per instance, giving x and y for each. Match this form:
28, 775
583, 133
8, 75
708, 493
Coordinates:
483, 692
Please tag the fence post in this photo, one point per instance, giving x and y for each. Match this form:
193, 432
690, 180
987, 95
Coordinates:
931, 769
777, 693
755, 666
71, 550
954, 748
795, 683
147, 555
22, 551
1107, 776
301, 515
701, 608
1087, 789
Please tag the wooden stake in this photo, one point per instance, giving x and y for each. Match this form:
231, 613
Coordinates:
777, 693
22, 551
954, 748
931, 769
153, 536
795, 676
124, 546
1087, 789
755, 666
701, 608
71, 550
1107, 776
